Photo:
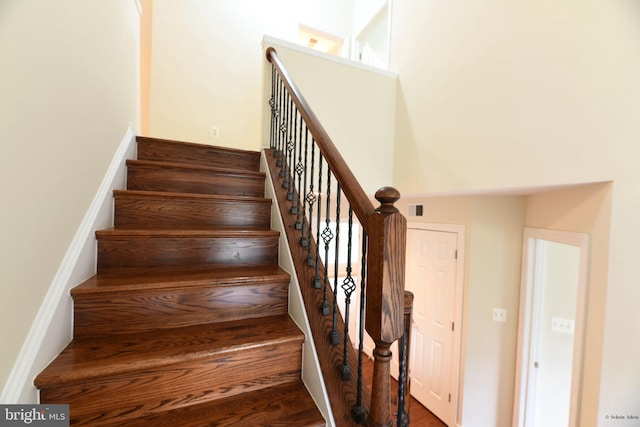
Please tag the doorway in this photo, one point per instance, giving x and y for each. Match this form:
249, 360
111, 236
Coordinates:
551, 324
435, 267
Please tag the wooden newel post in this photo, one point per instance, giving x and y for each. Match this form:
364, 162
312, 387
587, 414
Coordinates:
387, 232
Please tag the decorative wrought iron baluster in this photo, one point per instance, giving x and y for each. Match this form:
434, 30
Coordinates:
280, 123
301, 212
316, 280
310, 198
272, 105
283, 127
403, 416
286, 167
274, 113
335, 337
359, 411
295, 206
348, 286
291, 154
327, 237
310, 259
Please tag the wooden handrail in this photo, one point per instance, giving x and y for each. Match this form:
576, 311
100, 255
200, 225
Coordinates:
386, 230
362, 206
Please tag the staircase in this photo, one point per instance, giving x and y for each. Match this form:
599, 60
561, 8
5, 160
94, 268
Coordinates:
185, 323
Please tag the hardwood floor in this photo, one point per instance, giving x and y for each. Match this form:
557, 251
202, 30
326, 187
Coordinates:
419, 415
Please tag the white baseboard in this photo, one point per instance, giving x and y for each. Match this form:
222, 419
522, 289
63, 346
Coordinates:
51, 330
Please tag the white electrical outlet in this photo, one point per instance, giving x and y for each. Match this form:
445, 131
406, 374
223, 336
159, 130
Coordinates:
499, 314
215, 132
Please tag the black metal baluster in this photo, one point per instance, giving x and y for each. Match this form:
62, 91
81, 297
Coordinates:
272, 104
274, 111
283, 126
295, 206
291, 156
402, 415
311, 200
272, 108
335, 337
348, 286
310, 257
327, 236
280, 125
359, 410
286, 162
316, 280
301, 212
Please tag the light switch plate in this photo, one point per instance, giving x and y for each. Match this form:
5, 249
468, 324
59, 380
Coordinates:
562, 325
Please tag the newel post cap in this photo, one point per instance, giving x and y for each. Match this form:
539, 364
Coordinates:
387, 196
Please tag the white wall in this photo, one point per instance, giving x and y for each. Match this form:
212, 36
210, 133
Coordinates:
207, 59
526, 94
354, 103
69, 85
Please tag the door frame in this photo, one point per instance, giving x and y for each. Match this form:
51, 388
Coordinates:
457, 350
526, 331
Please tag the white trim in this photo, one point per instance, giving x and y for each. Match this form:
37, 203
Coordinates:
311, 371
580, 240
461, 232
52, 327
273, 41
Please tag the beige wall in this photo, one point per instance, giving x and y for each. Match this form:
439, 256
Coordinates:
492, 276
494, 227
530, 94
355, 104
69, 85
584, 209
206, 61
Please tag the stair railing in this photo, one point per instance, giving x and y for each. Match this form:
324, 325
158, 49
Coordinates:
341, 243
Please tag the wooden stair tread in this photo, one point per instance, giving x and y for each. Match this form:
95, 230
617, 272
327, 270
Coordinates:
282, 405
191, 276
213, 232
195, 196
90, 358
195, 167
186, 321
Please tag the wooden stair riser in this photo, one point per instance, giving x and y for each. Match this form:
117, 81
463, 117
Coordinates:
206, 155
170, 178
287, 405
144, 252
133, 311
192, 382
134, 210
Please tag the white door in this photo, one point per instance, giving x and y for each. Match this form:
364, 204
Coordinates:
431, 276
